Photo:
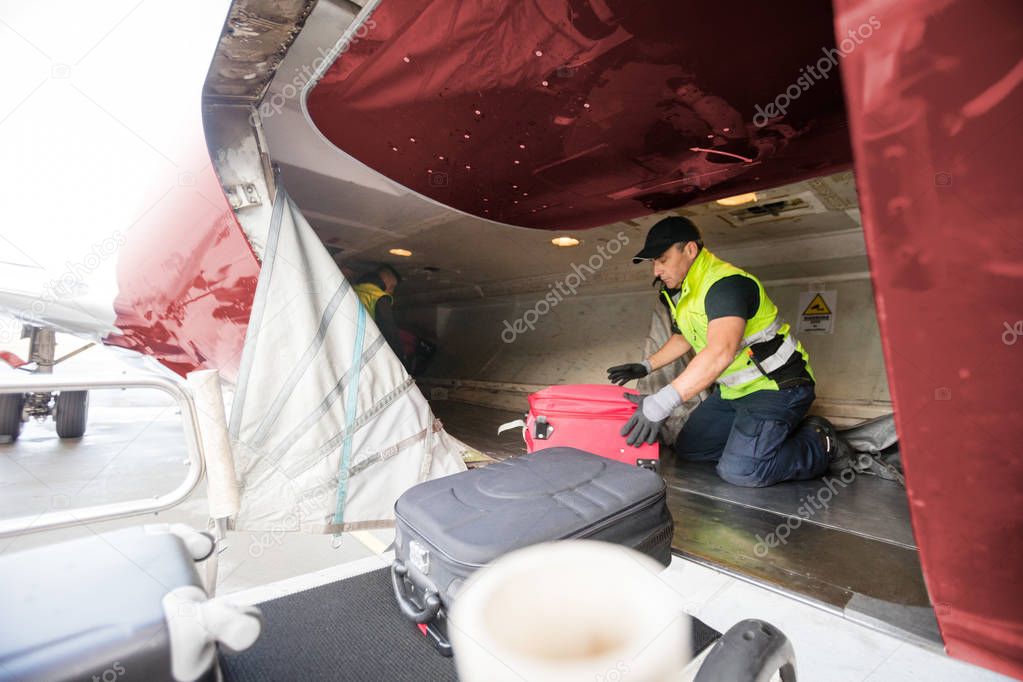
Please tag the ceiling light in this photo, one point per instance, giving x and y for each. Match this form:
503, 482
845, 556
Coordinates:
565, 241
400, 252
738, 199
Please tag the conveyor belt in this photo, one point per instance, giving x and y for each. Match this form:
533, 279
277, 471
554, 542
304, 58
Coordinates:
346, 630
350, 630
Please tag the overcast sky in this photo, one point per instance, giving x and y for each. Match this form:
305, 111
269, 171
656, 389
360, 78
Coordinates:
99, 105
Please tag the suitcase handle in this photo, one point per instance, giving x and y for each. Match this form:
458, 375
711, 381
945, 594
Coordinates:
751, 651
432, 600
542, 429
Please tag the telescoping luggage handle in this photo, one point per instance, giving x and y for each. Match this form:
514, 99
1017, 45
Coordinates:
431, 601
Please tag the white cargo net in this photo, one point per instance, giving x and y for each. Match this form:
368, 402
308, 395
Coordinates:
327, 427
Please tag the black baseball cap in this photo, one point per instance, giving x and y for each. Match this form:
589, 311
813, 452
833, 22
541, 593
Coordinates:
664, 233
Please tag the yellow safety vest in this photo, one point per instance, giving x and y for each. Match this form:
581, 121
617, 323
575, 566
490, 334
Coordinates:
742, 377
369, 294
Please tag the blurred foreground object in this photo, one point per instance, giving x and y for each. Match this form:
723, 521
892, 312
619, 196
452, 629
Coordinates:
576, 610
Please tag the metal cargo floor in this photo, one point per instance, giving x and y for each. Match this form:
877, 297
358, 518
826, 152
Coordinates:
867, 506
477, 426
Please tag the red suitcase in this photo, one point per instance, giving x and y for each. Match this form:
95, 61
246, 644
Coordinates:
587, 417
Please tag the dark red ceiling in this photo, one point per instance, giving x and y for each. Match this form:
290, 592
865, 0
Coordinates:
567, 114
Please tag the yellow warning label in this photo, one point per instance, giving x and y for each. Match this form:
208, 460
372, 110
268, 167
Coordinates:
817, 307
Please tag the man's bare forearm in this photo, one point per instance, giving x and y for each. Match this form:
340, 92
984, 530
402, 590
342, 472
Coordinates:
675, 347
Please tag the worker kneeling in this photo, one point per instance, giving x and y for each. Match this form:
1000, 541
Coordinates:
753, 424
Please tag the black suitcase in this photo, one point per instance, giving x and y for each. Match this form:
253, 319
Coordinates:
93, 608
447, 528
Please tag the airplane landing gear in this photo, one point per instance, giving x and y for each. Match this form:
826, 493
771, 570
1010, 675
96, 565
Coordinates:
69, 409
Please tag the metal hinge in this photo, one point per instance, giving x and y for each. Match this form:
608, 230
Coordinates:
243, 196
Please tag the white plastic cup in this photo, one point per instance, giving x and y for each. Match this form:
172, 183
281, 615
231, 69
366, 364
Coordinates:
567, 611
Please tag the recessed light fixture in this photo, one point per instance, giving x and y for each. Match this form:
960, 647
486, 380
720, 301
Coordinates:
400, 252
738, 199
565, 241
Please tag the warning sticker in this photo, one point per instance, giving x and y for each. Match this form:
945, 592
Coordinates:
818, 306
818, 312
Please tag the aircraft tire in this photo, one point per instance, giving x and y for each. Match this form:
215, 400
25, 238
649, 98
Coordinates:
10, 414
71, 411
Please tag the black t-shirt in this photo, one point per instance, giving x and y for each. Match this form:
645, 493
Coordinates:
739, 296
733, 296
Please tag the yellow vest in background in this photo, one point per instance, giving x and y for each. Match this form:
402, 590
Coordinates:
369, 294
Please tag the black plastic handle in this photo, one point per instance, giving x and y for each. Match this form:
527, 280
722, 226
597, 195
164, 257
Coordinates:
751, 651
411, 611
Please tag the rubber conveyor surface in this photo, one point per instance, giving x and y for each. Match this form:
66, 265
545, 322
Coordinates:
350, 630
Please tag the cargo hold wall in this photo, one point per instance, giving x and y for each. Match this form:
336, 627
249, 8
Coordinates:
495, 350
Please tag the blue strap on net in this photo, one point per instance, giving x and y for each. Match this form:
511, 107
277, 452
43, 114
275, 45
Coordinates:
350, 410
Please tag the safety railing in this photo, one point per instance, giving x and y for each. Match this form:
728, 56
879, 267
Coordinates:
64, 518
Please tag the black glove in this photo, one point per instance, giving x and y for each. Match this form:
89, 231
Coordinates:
639, 429
621, 374
645, 423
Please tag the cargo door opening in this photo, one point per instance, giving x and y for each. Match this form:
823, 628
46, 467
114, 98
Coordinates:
479, 294
510, 310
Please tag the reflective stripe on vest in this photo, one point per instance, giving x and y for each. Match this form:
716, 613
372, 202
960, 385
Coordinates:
763, 335
772, 362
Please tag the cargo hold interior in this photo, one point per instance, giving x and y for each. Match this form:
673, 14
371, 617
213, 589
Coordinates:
477, 289
469, 281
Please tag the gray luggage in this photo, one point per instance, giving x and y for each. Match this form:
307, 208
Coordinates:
447, 528
126, 605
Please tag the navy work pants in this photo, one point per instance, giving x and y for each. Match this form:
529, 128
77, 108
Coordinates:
757, 440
